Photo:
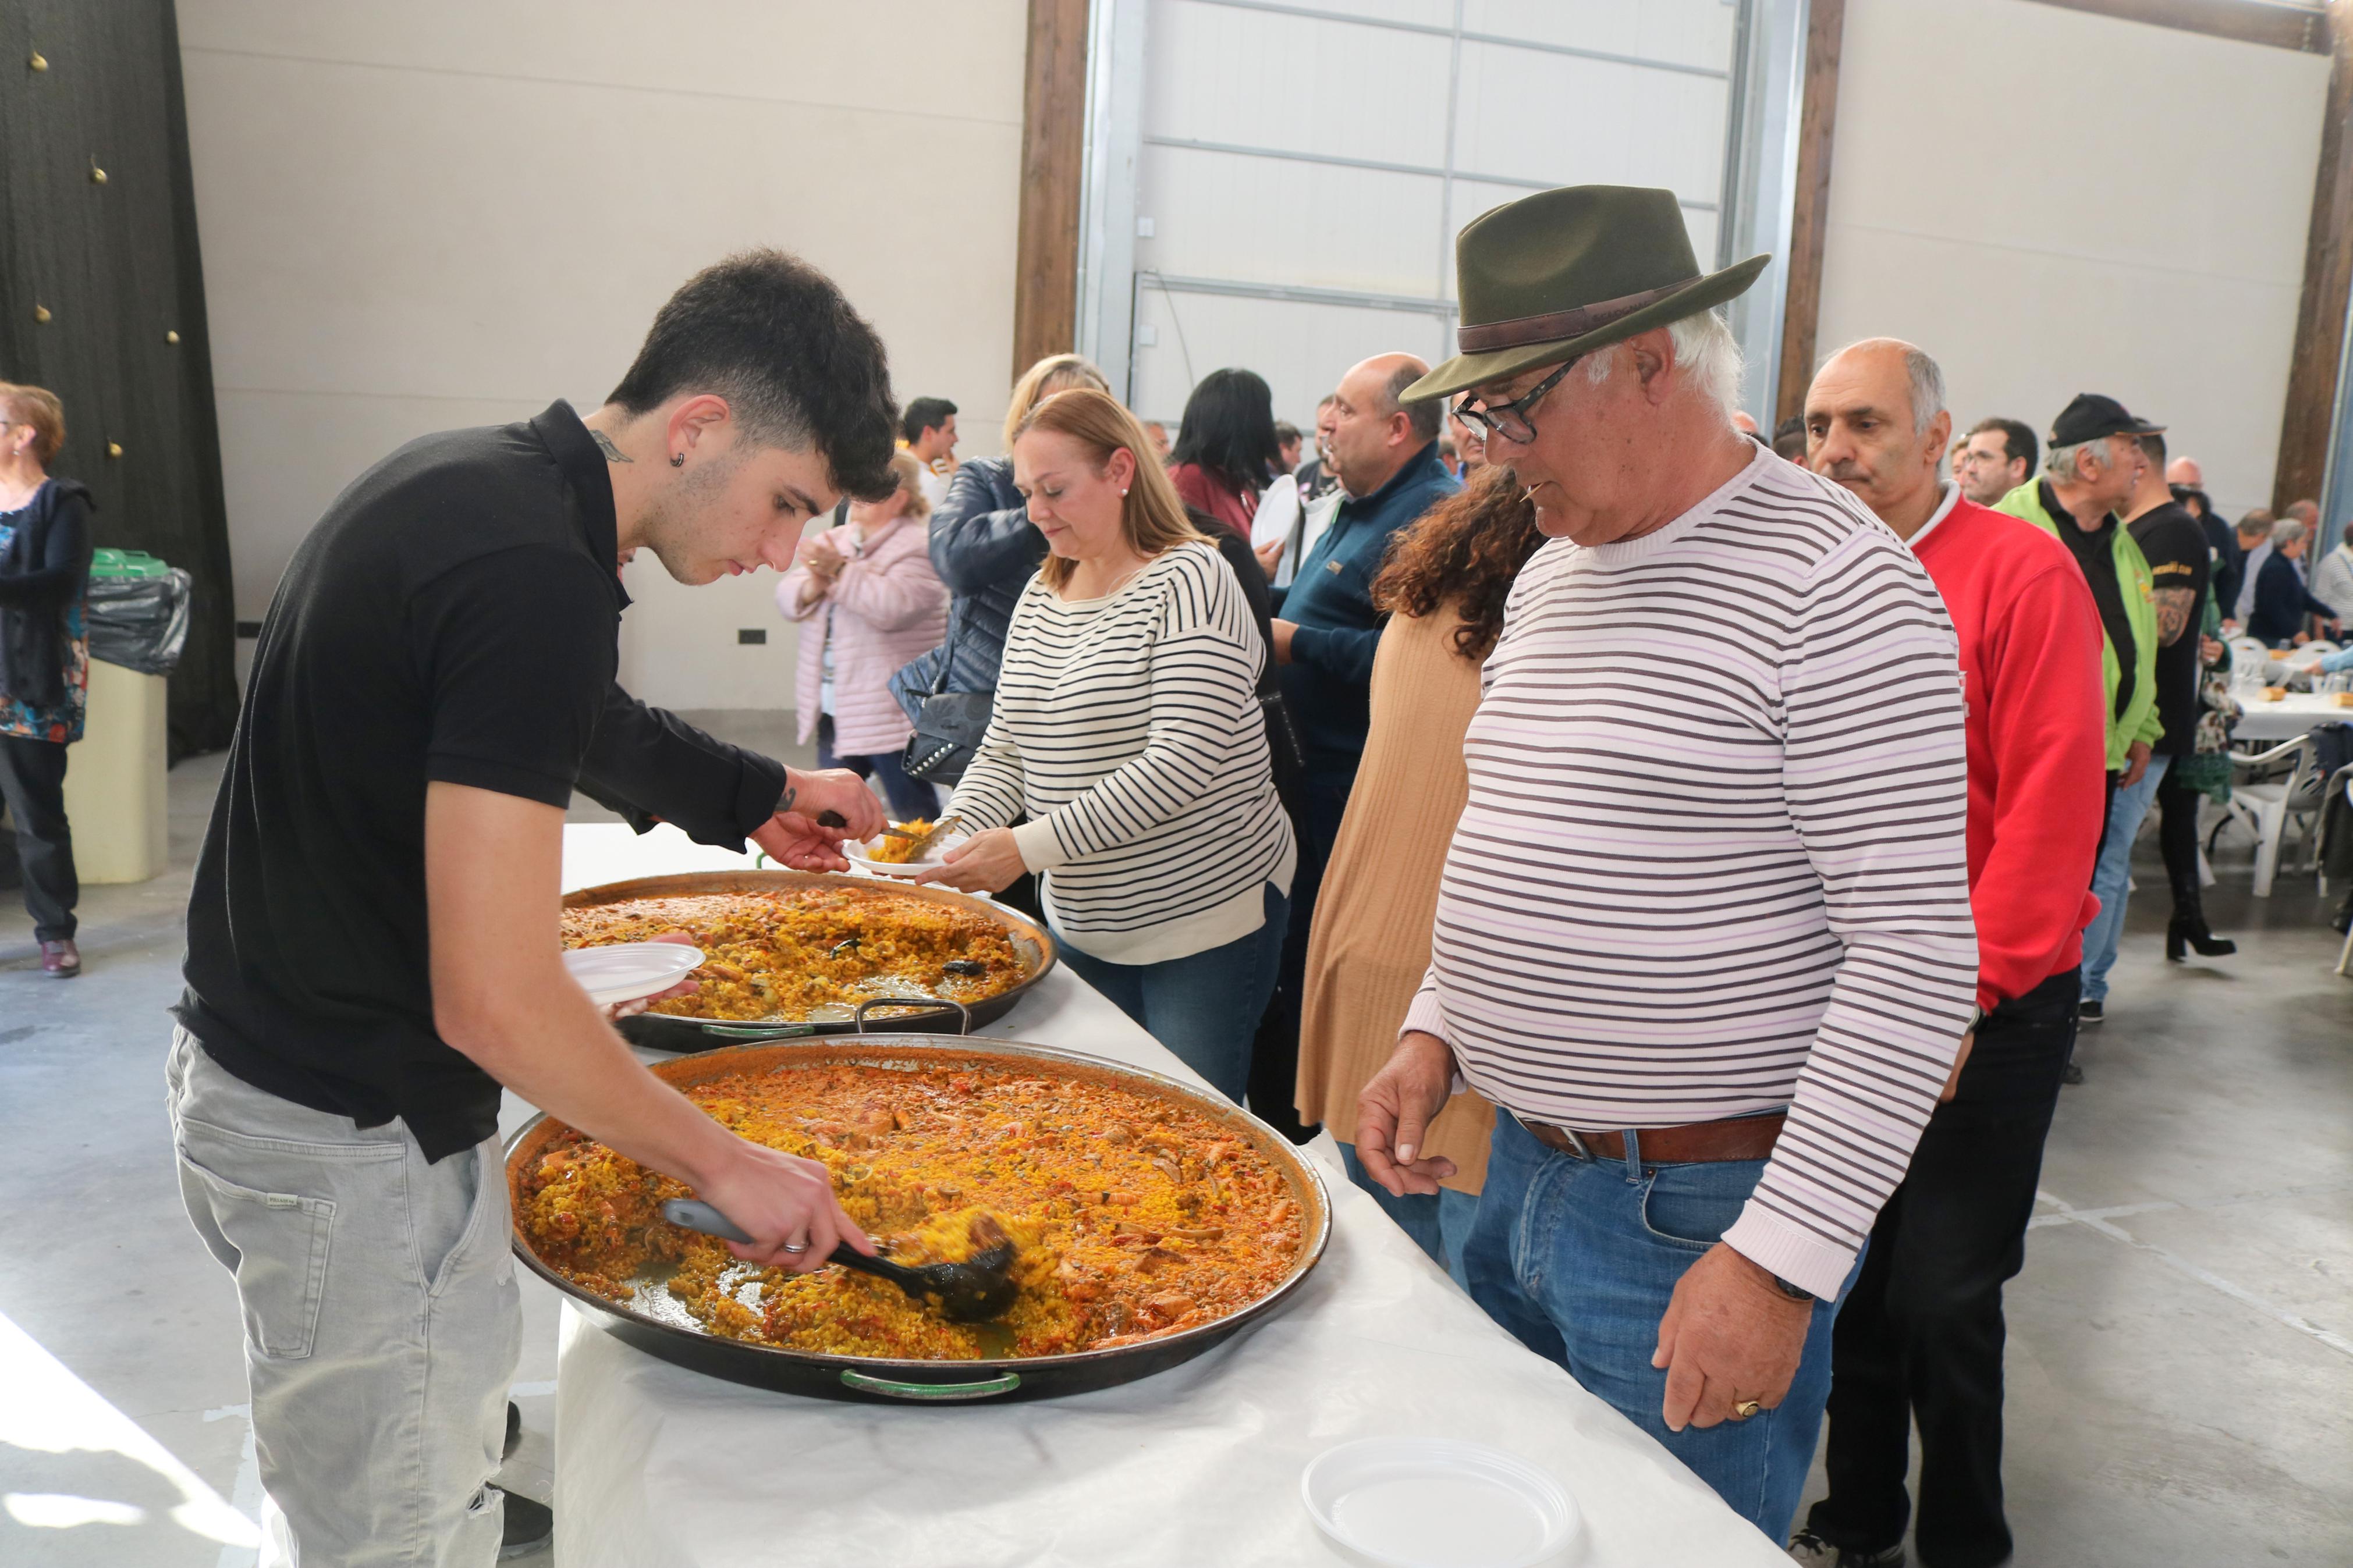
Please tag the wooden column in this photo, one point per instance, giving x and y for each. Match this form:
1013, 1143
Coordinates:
1053, 148
1811, 205
2306, 427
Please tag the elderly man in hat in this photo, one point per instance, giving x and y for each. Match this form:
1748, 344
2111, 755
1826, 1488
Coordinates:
1704, 928
2091, 470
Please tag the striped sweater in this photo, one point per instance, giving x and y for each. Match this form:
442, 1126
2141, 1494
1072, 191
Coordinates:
1714, 859
1127, 729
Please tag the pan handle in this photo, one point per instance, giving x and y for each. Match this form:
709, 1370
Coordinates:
964, 1013
754, 1033
890, 1388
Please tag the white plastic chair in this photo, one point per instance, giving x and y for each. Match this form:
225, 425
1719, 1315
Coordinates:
2266, 789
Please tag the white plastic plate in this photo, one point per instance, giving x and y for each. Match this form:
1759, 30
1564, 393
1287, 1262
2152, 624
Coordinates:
860, 855
1427, 1502
630, 970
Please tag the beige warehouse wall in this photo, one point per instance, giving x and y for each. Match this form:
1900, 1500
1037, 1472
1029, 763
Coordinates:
2052, 202
439, 213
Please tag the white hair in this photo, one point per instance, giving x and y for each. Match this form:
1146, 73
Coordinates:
1927, 389
2287, 530
2059, 462
1705, 351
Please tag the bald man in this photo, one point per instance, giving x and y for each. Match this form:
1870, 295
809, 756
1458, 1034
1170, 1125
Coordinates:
1921, 1334
2186, 471
1386, 456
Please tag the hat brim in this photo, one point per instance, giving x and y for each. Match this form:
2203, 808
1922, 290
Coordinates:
1464, 372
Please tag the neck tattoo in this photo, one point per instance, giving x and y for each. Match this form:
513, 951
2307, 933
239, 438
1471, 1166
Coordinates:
605, 444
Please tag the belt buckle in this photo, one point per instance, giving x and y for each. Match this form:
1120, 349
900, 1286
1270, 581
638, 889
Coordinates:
1576, 1144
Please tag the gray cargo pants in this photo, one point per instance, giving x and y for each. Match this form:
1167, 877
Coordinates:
382, 1320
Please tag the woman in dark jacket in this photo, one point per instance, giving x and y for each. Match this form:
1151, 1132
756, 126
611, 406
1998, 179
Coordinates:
44, 556
985, 550
2281, 601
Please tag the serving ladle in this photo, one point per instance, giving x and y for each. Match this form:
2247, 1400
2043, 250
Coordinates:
974, 1291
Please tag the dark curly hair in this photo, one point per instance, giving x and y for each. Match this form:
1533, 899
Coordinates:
798, 366
1466, 551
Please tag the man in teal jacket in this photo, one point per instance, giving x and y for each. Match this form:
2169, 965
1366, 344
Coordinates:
2093, 466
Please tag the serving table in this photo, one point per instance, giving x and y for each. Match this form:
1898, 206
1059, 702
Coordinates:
657, 1466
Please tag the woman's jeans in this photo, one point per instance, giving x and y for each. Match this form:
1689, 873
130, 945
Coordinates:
1205, 1006
1438, 1224
33, 787
909, 799
2112, 876
1579, 1259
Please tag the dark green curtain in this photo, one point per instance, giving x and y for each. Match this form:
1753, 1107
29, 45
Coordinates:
102, 302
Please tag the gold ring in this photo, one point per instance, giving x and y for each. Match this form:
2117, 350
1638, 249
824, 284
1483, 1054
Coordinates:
1745, 1409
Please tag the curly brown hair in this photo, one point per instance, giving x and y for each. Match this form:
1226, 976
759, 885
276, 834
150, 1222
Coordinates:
1466, 551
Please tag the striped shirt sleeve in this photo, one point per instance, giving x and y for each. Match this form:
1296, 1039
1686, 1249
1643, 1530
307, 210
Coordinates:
1203, 664
1875, 777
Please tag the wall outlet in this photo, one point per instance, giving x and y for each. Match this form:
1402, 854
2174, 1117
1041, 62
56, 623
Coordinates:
1147, 336
1144, 226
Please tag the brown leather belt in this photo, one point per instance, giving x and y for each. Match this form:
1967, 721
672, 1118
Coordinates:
1696, 1142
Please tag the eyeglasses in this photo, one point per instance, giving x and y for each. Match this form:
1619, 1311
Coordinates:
1514, 421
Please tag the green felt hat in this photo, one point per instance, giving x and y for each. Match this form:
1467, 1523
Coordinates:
1561, 273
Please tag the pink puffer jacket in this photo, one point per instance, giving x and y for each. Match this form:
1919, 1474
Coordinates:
888, 608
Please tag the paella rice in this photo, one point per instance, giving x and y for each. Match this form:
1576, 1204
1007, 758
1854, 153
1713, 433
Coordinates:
1132, 1216
814, 951
893, 851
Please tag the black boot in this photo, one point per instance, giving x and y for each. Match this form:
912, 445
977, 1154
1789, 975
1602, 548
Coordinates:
2189, 929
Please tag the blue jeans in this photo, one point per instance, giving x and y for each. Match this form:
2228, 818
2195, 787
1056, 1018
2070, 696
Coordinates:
2111, 878
1439, 1225
909, 798
1204, 1006
1579, 1259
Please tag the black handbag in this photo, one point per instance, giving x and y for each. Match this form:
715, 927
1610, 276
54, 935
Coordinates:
948, 727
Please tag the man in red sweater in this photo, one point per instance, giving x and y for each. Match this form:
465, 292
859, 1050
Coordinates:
1921, 1335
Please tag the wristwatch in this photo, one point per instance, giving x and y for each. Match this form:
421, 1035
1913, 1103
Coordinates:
1794, 1292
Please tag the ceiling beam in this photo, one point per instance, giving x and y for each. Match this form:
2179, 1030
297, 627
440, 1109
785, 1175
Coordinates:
1053, 158
1809, 206
2267, 21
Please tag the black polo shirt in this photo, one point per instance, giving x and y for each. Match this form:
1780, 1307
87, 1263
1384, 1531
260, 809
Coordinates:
454, 617
2178, 558
2095, 553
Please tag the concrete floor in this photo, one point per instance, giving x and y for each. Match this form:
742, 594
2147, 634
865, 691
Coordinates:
2181, 1339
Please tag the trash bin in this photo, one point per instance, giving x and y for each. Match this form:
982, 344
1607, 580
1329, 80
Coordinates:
115, 794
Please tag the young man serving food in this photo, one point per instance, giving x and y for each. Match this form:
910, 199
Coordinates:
372, 934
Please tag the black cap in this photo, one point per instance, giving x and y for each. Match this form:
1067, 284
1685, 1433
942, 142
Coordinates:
2090, 417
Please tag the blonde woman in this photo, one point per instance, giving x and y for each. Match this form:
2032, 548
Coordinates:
1127, 727
867, 601
985, 549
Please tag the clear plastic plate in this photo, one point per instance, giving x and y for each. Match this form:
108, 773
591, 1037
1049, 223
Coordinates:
1427, 1502
629, 970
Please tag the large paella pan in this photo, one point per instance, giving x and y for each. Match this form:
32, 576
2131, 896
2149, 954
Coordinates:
1212, 1179
827, 943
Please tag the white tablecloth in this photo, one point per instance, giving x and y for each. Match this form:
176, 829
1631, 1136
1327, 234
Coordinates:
2287, 718
657, 1466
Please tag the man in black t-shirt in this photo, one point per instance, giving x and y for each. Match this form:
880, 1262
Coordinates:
2181, 565
373, 932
